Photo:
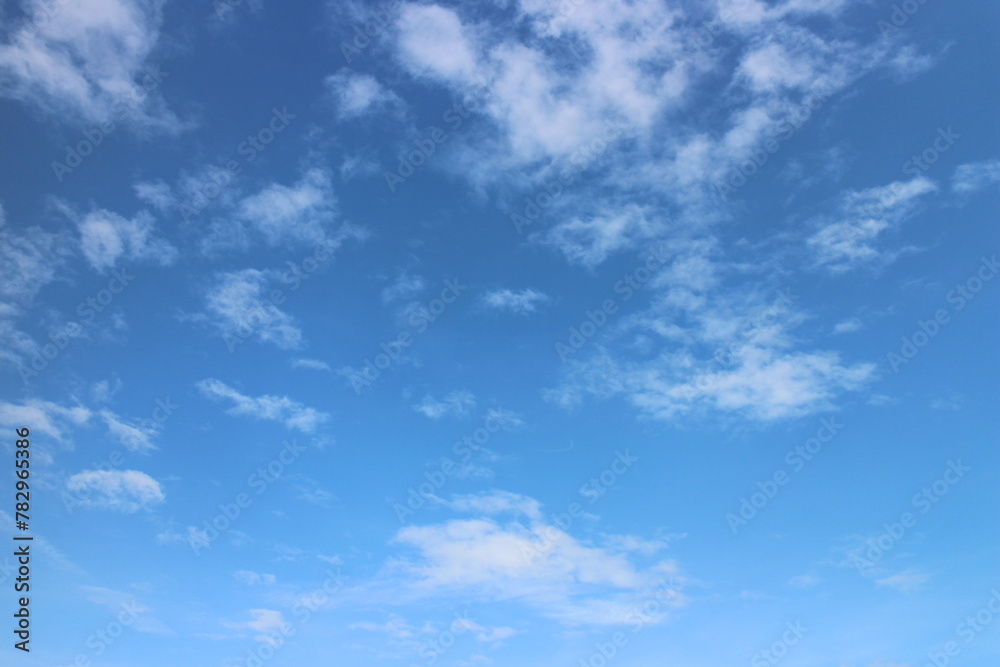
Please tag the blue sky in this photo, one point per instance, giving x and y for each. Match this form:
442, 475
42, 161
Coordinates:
503, 333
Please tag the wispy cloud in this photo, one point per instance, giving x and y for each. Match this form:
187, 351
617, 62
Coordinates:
521, 302
456, 403
82, 64
975, 176
125, 491
282, 409
526, 558
238, 307
853, 238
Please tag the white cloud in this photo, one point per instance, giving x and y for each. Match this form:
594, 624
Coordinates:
87, 62
292, 414
238, 307
709, 342
30, 259
134, 437
293, 215
106, 237
125, 491
521, 302
804, 581
269, 625
853, 238
43, 416
975, 176
497, 502
848, 326
156, 194
115, 601
251, 578
532, 561
590, 241
456, 403
357, 95
432, 42
312, 364
396, 628
406, 286
761, 383
903, 582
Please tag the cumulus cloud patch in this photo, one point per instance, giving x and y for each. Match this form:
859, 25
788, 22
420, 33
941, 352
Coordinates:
126, 491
